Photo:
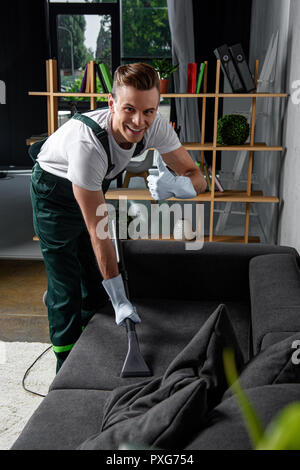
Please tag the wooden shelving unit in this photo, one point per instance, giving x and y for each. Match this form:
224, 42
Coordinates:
227, 196
248, 196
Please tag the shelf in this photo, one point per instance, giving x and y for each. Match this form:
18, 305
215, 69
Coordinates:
166, 95
258, 147
224, 95
226, 196
73, 95
232, 239
216, 238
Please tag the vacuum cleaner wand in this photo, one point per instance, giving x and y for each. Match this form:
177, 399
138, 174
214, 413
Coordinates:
134, 364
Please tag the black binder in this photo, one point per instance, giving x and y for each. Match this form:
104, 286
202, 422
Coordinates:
103, 85
222, 53
239, 59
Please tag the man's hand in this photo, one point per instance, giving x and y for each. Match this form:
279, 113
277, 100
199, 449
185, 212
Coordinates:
166, 185
122, 307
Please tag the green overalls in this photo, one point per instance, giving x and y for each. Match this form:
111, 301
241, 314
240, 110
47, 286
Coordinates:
75, 290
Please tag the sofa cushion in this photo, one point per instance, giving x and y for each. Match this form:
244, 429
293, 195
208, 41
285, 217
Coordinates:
167, 326
275, 296
277, 364
225, 427
63, 420
162, 412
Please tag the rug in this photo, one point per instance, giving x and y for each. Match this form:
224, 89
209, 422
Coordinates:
16, 404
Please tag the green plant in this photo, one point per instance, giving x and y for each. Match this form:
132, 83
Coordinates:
283, 433
232, 129
164, 68
74, 87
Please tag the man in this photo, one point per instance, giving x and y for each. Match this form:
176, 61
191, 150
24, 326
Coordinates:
73, 170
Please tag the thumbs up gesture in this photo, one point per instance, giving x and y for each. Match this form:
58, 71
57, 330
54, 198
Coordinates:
166, 185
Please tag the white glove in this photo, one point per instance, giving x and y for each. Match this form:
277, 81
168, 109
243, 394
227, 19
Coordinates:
122, 307
166, 185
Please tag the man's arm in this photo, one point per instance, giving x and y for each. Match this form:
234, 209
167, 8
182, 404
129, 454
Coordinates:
88, 202
182, 163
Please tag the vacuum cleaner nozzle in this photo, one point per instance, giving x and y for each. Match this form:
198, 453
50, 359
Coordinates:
134, 364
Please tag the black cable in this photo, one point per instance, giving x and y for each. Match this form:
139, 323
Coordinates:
28, 370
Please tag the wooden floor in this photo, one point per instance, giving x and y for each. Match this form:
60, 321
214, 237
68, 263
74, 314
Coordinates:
23, 316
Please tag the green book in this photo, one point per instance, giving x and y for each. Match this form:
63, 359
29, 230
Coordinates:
200, 77
208, 182
107, 77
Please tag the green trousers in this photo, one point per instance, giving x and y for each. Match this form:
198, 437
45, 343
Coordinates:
75, 290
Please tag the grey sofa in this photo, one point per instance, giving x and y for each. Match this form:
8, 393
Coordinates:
176, 292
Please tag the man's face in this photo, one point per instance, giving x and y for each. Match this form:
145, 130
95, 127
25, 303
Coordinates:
133, 112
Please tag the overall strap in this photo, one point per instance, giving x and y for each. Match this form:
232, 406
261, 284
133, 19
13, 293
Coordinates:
139, 148
100, 133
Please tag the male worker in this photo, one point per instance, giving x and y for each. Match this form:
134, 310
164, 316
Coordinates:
73, 170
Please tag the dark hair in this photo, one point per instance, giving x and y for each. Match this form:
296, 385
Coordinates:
139, 75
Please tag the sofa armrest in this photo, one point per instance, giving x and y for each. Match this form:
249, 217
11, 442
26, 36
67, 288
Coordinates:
275, 297
165, 269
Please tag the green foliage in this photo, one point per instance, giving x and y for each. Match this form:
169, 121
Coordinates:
254, 426
283, 433
164, 68
74, 87
146, 30
232, 129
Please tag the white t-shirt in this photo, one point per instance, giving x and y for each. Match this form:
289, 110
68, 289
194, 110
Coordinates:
75, 153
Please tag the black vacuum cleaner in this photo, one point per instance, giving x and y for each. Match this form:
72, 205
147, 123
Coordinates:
134, 364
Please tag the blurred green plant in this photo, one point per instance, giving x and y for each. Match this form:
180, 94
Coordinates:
283, 433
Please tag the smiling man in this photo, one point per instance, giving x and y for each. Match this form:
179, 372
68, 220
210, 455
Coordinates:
72, 172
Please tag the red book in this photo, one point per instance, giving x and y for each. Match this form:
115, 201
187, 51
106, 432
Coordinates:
192, 77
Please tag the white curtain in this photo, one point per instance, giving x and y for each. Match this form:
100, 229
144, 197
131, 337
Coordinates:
182, 34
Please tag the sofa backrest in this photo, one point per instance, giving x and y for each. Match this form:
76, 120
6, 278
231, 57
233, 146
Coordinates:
275, 298
165, 269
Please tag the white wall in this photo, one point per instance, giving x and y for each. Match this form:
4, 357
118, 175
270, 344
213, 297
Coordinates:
289, 222
268, 17
280, 174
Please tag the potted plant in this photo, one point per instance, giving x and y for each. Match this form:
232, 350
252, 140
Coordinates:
165, 69
232, 129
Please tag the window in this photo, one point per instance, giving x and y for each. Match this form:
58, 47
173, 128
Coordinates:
80, 39
81, 32
145, 31
116, 31
145, 35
